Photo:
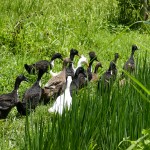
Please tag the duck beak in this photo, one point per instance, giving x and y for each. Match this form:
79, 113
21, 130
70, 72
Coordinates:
87, 64
26, 80
79, 55
62, 58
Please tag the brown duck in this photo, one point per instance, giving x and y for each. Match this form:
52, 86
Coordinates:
56, 85
95, 76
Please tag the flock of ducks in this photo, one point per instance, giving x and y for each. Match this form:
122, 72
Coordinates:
61, 86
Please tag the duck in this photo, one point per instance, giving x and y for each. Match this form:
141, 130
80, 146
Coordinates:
79, 81
56, 85
93, 58
130, 63
31, 97
109, 77
63, 101
42, 64
95, 76
9, 100
116, 56
70, 69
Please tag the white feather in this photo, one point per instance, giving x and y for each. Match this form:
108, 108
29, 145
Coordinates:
81, 61
54, 73
63, 101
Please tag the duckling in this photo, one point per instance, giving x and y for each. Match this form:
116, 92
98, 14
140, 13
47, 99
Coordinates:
70, 68
64, 100
93, 58
130, 64
8, 101
43, 64
79, 80
108, 78
32, 96
95, 76
56, 85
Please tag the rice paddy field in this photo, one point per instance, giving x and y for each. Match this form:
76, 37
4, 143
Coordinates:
35, 30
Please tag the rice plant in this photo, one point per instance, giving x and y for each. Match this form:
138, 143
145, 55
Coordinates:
31, 31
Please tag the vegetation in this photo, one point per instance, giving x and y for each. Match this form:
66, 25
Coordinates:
132, 11
34, 30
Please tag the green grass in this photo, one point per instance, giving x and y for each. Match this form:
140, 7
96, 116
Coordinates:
31, 31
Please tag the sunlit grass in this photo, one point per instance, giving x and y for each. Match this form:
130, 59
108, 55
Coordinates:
34, 30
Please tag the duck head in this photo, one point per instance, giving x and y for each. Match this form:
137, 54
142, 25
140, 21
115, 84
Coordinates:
116, 57
28, 68
73, 52
134, 47
92, 56
55, 56
19, 79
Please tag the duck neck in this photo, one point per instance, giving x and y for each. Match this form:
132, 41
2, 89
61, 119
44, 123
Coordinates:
90, 64
89, 70
132, 54
110, 68
71, 57
69, 79
79, 63
76, 75
39, 76
115, 60
17, 84
51, 64
96, 69
64, 66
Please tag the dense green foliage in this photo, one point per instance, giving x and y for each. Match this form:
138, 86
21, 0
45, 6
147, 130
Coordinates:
132, 11
34, 30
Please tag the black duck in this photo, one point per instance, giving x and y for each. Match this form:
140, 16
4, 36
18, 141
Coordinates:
70, 68
43, 64
8, 101
108, 78
79, 80
93, 58
130, 64
32, 96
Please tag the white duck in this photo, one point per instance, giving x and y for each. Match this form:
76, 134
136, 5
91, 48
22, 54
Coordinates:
63, 101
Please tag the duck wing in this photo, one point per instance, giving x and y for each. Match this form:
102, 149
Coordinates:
7, 100
32, 96
55, 85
